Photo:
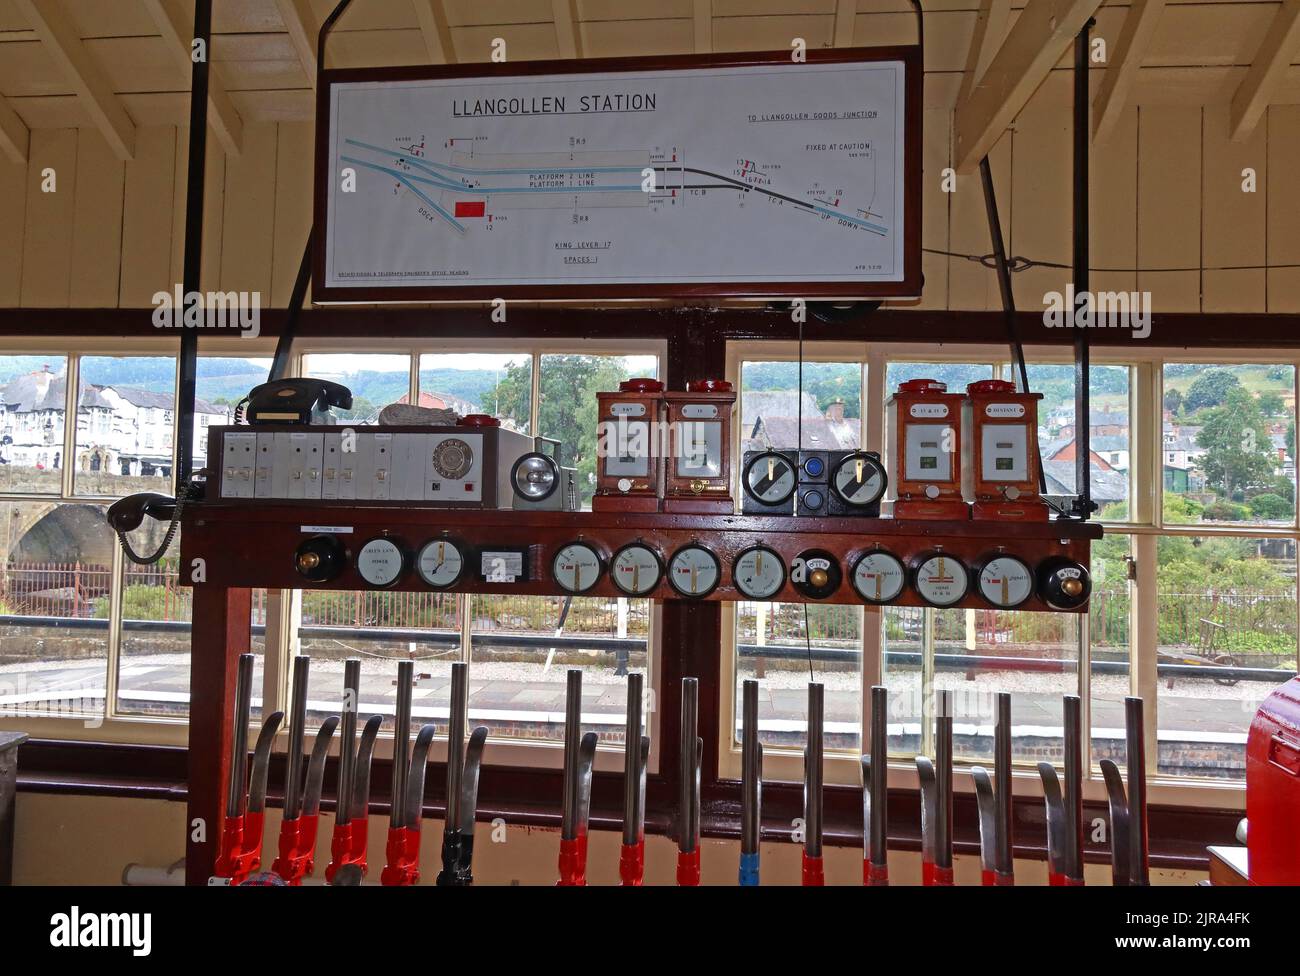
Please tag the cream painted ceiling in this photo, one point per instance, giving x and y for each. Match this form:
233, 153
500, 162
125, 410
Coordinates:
112, 63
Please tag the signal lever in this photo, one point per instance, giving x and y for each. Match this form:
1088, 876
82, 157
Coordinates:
875, 794
636, 756
462, 785
409, 766
302, 800
936, 800
1128, 815
579, 756
692, 755
1065, 808
814, 872
240, 852
994, 803
352, 806
751, 787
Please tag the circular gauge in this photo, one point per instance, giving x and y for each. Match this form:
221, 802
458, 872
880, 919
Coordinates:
694, 571
636, 569
859, 479
576, 567
940, 579
1064, 584
770, 478
381, 562
758, 573
816, 574
452, 458
535, 476
879, 576
440, 563
1005, 581
320, 558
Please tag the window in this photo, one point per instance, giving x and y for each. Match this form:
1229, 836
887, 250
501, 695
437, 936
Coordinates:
32, 395
375, 379
130, 389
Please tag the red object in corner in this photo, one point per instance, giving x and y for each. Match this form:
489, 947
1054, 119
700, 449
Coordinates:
876, 877
297, 848
708, 386
403, 855
347, 846
631, 864
814, 873
688, 868
573, 863
479, 420
1273, 789
241, 847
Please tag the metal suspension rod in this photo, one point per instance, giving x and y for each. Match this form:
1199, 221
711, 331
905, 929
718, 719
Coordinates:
943, 784
297, 723
876, 815
751, 773
456, 742
402, 741
347, 741
1005, 864
1073, 769
813, 872
572, 741
236, 788
1082, 406
1136, 761
633, 812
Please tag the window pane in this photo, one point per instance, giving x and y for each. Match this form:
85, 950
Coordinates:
903, 639
1227, 638
32, 397
1228, 446
126, 419
375, 379
220, 383
1110, 643
567, 412
1108, 433
957, 375
519, 659
56, 577
381, 628
1034, 656
784, 651
496, 384
771, 409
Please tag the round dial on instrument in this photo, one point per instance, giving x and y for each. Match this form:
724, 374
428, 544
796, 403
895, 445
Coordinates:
636, 569
879, 576
859, 479
940, 579
381, 562
1063, 583
576, 567
452, 458
770, 478
535, 476
694, 571
1005, 581
816, 573
759, 573
440, 563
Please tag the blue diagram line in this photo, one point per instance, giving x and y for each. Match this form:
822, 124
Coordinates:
413, 188
430, 167
481, 190
851, 220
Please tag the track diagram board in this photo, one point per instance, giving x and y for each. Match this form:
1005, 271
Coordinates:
753, 179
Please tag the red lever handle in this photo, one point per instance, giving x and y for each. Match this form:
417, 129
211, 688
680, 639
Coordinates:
631, 864
688, 868
402, 853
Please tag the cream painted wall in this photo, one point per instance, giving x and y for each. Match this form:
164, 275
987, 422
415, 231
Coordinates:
89, 840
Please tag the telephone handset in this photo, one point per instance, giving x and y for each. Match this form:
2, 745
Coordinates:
302, 400
127, 513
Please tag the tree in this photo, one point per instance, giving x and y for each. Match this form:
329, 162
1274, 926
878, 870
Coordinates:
1173, 400
1271, 404
1270, 506
1210, 389
1290, 439
1236, 443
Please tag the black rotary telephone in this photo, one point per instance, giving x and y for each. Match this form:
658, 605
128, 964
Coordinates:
296, 401
127, 513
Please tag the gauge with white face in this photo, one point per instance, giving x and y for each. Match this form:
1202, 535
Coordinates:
440, 563
381, 562
694, 571
576, 567
879, 576
858, 480
770, 478
636, 569
940, 579
1005, 582
758, 573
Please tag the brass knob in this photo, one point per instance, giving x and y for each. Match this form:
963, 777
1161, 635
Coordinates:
308, 561
1072, 587
697, 486
819, 578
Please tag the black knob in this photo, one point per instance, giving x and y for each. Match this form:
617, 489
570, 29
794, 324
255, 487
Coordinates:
816, 574
320, 558
1064, 584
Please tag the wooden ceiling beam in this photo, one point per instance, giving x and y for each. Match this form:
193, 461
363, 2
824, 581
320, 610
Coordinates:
990, 28
1122, 71
303, 30
61, 41
14, 136
222, 116
1036, 42
1272, 59
846, 12
436, 31
567, 36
